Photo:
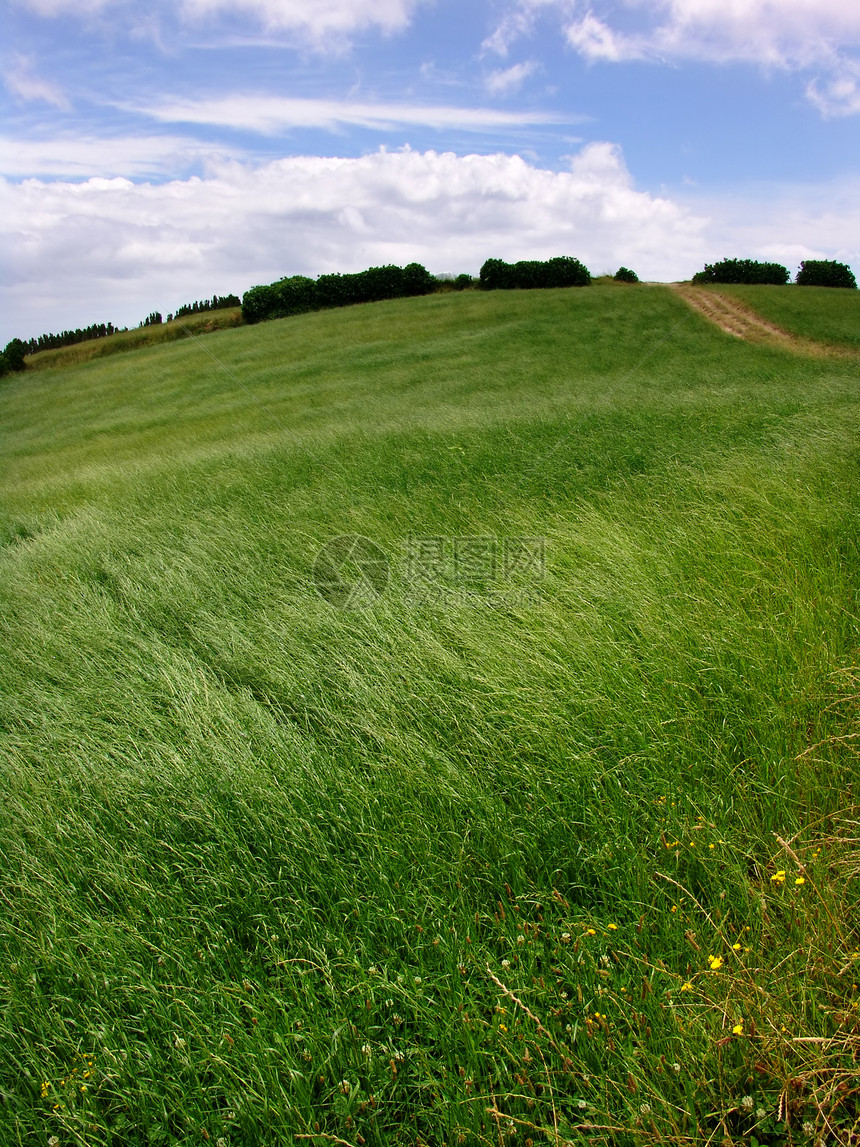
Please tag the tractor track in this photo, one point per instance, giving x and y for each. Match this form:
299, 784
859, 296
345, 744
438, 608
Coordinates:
739, 320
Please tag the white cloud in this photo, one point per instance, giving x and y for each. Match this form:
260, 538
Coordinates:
270, 115
59, 7
505, 81
21, 80
797, 34
787, 33
596, 40
519, 21
114, 249
326, 23
317, 18
84, 156
840, 94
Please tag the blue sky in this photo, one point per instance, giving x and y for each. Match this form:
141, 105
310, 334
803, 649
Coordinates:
155, 156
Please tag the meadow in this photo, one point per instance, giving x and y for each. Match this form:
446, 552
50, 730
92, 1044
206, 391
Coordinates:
538, 824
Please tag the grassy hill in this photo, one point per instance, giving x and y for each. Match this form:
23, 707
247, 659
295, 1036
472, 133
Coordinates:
549, 835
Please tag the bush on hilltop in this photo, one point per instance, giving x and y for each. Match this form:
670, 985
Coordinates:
825, 273
531, 274
625, 275
742, 271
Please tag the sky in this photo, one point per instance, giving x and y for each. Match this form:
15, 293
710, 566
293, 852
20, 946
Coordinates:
161, 153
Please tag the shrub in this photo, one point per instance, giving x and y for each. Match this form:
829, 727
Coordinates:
825, 273
531, 274
742, 271
625, 275
462, 282
12, 358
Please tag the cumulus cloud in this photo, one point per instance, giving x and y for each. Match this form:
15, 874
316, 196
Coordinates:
270, 115
114, 248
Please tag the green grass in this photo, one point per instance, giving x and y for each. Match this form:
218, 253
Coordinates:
824, 314
136, 338
448, 868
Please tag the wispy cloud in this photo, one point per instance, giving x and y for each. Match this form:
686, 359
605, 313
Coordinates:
790, 34
270, 115
506, 81
21, 80
84, 156
839, 94
324, 24
318, 19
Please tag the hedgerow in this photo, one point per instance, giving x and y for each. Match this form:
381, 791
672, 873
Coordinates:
298, 294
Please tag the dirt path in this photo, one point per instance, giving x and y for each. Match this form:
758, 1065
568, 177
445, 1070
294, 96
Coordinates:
739, 320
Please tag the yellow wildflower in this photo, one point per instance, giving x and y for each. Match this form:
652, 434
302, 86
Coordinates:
800, 880
688, 987
738, 1029
779, 877
716, 962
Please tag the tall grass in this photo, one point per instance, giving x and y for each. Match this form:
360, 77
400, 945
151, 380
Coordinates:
571, 864
136, 338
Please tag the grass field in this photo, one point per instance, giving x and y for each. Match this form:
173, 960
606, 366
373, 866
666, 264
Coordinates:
824, 314
547, 850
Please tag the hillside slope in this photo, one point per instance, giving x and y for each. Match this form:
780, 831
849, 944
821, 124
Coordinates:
491, 854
